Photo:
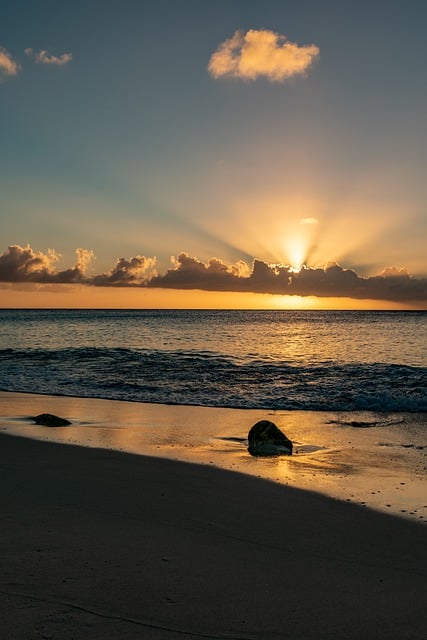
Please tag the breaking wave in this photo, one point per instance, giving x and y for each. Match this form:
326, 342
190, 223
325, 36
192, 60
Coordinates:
213, 379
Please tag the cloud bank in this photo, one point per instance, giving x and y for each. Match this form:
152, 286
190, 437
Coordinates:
43, 57
23, 264
330, 281
261, 53
8, 66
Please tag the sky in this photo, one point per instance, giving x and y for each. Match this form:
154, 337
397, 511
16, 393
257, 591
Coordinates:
233, 153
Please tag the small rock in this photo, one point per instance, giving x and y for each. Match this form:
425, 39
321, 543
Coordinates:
266, 439
49, 420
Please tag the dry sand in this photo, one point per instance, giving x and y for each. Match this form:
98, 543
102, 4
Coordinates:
104, 544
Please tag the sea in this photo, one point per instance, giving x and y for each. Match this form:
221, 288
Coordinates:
279, 360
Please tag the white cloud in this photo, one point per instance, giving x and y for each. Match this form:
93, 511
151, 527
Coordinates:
8, 66
43, 57
84, 259
394, 272
261, 53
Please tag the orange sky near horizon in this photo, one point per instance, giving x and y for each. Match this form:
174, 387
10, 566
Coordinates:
70, 296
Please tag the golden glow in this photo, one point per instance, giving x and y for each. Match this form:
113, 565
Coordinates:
300, 302
87, 297
295, 251
257, 196
346, 226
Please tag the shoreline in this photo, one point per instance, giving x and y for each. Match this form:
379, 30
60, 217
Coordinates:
380, 464
100, 543
265, 409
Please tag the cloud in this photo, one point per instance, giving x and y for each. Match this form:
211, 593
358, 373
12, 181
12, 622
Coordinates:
261, 53
135, 271
43, 57
77, 273
23, 264
191, 273
393, 272
8, 66
309, 221
84, 259
329, 281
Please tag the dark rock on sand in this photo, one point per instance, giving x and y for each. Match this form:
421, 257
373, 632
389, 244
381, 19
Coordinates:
266, 439
49, 420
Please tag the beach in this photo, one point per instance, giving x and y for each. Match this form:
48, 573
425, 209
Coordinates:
372, 459
213, 321
104, 543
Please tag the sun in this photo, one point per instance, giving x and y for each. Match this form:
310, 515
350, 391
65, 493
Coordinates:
296, 250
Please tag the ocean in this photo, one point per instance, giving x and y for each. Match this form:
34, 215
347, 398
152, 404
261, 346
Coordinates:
279, 360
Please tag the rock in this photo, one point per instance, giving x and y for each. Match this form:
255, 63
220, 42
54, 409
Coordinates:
49, 420
265, 439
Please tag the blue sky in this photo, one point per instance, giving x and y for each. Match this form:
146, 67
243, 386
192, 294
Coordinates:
132, 148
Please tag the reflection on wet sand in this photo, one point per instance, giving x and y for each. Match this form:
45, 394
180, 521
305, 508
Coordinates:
382, 466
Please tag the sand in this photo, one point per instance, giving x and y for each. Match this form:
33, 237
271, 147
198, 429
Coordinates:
105, 544
380, 463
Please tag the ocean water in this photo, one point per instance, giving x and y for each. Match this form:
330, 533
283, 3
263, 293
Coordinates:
281, 360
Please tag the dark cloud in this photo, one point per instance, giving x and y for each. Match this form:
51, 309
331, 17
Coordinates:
19, 265
23, 264
136, 271
330, 281
190, 273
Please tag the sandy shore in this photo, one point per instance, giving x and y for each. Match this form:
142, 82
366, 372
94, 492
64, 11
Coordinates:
376, 460
101, 544
104, 544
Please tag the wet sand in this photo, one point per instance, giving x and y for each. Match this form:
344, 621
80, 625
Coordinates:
375, 460
99, 543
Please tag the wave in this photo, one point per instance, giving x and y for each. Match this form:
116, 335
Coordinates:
213, 379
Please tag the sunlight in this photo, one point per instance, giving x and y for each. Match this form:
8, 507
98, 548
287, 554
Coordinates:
299, 302
295, 251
